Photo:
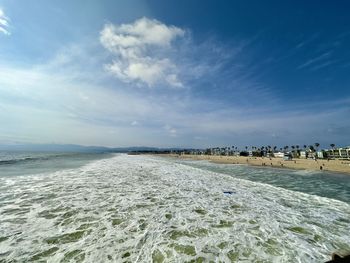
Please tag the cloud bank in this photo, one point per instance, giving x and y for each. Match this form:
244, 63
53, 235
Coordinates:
133, 45
4, 23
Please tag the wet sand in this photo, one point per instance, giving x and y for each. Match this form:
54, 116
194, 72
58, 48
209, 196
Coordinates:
339, 166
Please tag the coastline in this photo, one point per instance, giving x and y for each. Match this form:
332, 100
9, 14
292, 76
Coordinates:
338, 166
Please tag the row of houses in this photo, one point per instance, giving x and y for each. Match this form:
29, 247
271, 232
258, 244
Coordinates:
339, 153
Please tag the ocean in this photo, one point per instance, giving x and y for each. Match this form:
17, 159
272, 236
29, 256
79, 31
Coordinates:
125, 208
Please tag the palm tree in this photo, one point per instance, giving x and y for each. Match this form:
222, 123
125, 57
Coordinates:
333, 146
293, 147
298, 152
269, 147
254, 148
262, 149
305, 147
316, 145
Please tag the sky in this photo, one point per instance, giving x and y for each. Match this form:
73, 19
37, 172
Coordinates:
183, 73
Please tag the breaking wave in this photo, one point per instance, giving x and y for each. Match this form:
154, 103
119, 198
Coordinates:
139, 209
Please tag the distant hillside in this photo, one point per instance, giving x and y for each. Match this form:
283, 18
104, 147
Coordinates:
70, 148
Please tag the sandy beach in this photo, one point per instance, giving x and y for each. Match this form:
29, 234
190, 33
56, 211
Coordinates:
340, 166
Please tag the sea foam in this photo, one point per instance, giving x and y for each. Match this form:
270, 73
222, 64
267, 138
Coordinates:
141, 208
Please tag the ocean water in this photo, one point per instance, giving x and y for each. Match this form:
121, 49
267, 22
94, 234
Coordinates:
322, 183
150, 209
24, 163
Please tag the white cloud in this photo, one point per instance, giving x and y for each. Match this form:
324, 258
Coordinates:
140, 52
4, 23
69, 91
35, 104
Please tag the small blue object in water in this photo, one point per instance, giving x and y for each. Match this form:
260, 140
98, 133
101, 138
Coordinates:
228, 192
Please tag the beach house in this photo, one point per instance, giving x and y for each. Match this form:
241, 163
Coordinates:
278, 155
344, 153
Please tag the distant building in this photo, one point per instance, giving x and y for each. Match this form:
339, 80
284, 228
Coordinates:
320, 154
340, 153
344, 153
287, 157
279, 154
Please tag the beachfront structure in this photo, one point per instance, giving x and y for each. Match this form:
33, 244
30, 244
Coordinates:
287, 157
320, 154
339, 153
278, 154
344, 152
268, 151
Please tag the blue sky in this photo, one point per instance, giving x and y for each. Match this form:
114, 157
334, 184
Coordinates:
175, 73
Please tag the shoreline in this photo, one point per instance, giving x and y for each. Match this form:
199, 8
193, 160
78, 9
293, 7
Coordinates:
337, 166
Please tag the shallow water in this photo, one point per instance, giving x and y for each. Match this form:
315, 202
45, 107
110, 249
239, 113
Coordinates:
327, 184
140, 208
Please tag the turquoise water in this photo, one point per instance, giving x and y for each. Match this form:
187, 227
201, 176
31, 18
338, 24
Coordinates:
150, 209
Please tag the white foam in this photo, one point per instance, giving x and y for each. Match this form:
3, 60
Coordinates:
146, 206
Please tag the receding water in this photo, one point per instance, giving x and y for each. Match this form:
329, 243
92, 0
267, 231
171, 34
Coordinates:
144, 209
332, 185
